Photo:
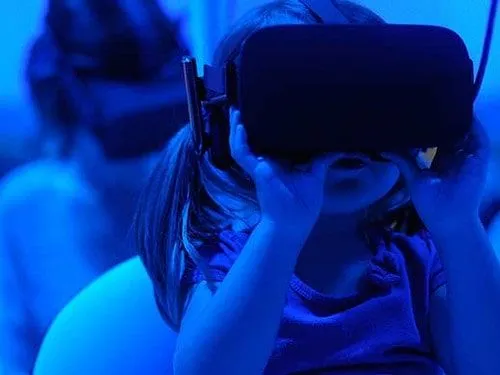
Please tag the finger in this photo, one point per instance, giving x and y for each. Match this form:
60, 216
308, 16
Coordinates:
479, 142
264, 173
237, 141
234, 121
474, 141
407, 165
471, 152
241, 153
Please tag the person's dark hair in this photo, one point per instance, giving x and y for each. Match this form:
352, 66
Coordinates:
110, 40
188, 201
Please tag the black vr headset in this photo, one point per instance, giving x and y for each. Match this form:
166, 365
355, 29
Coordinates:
305, 90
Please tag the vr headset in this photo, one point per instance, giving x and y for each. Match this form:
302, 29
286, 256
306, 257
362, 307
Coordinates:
305, 90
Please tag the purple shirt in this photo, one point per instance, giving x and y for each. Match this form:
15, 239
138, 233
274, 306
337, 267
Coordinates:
383, 329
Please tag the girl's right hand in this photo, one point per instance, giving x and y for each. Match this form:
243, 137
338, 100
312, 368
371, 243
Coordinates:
289, 198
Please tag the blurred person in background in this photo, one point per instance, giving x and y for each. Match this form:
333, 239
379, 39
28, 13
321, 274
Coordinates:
105, 80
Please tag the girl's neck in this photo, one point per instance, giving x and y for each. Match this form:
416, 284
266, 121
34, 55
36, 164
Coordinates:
337, 239
336, 249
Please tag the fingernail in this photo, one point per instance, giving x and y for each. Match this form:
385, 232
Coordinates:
236, 114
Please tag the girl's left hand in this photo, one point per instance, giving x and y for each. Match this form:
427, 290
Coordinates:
447, 196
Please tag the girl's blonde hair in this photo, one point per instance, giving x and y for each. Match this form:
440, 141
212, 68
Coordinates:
188, 201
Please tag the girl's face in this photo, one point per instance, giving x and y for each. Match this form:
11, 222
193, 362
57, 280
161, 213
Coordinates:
354, 182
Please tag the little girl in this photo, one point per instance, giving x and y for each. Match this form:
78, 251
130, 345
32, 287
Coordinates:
320, 269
